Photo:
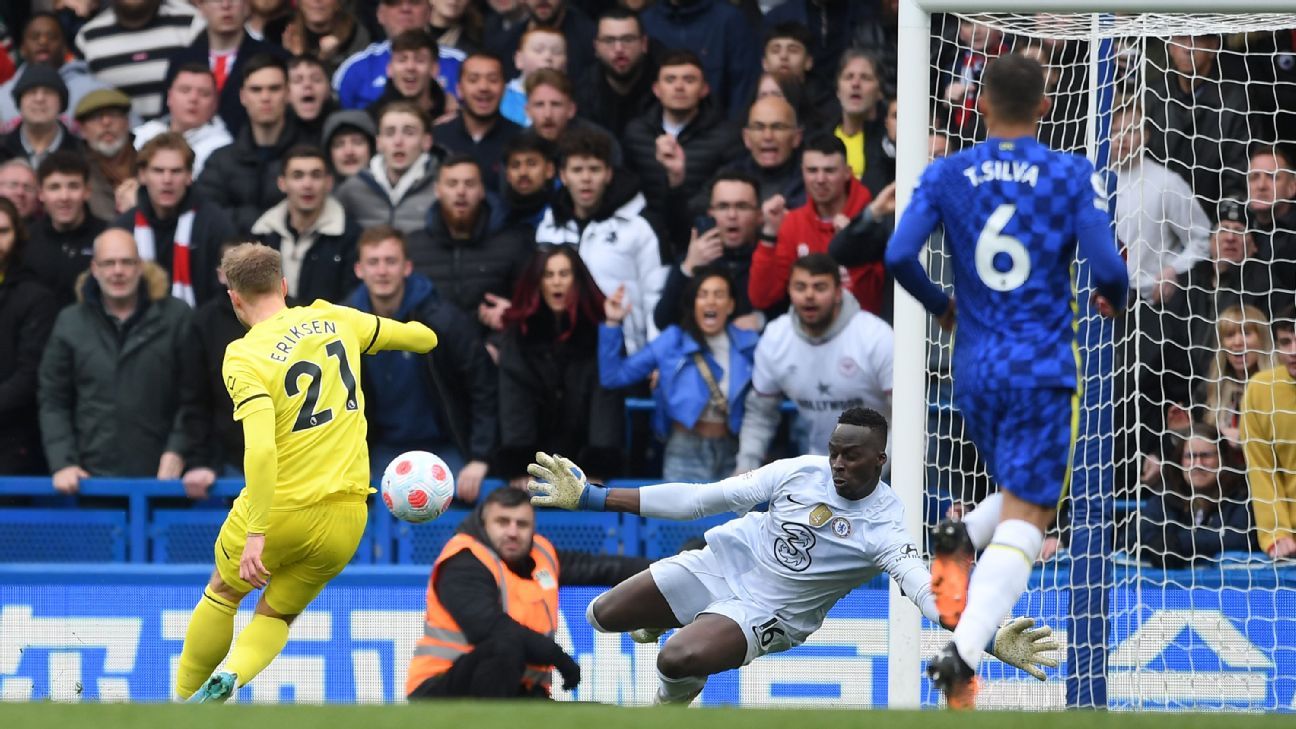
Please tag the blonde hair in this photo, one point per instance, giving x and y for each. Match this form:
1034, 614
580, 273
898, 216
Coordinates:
252, 269
1223, 388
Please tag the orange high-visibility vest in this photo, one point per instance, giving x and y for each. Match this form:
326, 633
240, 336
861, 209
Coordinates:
532, 602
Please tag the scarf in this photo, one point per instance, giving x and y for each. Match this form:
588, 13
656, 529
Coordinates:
117, 168
181, 279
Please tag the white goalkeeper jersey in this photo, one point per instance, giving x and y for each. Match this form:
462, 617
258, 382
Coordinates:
810, 548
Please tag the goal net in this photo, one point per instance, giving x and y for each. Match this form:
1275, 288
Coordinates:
1159, 585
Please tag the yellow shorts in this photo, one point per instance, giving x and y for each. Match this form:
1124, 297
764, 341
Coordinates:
304, 549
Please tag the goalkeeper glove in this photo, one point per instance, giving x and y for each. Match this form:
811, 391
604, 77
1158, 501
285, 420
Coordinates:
559, 482
1020, 644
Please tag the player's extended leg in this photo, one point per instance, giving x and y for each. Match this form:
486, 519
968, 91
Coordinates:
710, 644
207, 639
633, 604
1032, 461
327, 536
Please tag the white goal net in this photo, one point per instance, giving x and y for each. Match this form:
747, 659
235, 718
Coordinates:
1164, 582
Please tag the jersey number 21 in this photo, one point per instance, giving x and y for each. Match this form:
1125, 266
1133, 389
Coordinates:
307, 416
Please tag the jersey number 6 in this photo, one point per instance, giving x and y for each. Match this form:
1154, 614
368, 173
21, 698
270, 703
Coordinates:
991, 243
307, 417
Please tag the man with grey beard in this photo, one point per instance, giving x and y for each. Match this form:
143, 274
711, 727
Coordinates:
105, 128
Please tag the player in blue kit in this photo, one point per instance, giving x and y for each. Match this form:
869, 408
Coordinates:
1014, 213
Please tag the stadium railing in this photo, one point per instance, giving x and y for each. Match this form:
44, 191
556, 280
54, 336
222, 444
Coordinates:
151, 529
156, 526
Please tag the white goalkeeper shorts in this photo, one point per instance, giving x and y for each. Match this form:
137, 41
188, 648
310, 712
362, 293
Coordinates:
694, 583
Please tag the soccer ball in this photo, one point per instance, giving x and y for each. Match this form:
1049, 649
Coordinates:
417, 486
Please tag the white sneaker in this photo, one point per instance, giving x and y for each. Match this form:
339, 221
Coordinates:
646, 635
660, 698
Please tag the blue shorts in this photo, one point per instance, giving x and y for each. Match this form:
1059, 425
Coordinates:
1026, 437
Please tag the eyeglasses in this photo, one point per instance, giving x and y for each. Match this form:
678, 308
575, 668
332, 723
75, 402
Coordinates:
618, 40
731, 207
776, 128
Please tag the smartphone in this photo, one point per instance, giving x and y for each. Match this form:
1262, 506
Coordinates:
703, 223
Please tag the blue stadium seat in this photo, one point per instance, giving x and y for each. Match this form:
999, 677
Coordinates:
188, 536
597, 532
422, 543
185, 536
664, 538
584, 531
631, 541
62, 535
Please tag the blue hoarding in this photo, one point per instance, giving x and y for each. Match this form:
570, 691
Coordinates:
114, 634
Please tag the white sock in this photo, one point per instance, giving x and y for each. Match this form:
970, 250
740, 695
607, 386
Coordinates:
982, 521
593, 621
999, 579
676, 690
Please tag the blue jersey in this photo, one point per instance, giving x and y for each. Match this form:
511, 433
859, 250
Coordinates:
1013, 213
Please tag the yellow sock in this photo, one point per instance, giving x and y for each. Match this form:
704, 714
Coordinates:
206, 642
257, 645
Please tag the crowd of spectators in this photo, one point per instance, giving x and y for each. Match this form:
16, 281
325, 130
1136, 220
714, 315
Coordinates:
596, 199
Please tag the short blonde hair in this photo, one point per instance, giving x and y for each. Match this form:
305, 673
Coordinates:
252, 269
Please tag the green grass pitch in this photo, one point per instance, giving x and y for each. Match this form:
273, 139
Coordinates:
501, 715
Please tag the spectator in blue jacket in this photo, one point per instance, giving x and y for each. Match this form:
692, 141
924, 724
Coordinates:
445, 401
705, 365
1204, 508
732, 62
362, 78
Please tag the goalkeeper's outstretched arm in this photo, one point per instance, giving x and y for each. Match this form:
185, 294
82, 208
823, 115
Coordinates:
560, 483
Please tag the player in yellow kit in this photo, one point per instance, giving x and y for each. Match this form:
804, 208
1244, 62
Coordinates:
295, 382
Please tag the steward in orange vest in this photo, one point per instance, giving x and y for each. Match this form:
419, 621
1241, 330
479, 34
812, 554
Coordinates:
492, 606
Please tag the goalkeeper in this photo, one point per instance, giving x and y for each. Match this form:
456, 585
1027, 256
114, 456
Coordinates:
765, 582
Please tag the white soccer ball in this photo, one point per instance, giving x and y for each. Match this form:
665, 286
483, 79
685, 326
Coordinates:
417, 486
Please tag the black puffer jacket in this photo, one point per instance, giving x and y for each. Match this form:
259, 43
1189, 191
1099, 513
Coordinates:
244, 180
211, 228
550, 399
27, 311
328, 267
710, 143
214, 439
57, 258
464, 270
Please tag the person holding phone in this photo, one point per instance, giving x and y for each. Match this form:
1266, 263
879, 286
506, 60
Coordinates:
723, 238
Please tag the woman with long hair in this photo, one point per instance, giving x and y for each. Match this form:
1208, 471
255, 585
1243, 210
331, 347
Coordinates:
456, 24
1204, 507
549, 395
705, 365
324, 29
1244, 347
27, 311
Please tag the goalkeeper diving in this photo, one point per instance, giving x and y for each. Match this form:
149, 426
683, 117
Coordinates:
765, 581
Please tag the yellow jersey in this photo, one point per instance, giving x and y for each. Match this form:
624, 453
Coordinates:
303, 364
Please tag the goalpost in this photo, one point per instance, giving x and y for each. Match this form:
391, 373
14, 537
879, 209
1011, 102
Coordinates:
1136, 637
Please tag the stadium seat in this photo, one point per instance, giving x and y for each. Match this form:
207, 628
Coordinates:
664, 538
62, 535
188, 536
421, 543
185, 536
598, 532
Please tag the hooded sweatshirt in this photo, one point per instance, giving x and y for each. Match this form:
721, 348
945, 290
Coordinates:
849, 364
397, 407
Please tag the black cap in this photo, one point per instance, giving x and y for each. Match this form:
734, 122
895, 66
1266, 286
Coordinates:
40, 75
1234, 211
349, 120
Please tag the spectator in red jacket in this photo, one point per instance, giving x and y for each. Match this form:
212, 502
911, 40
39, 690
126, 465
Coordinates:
835, 197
